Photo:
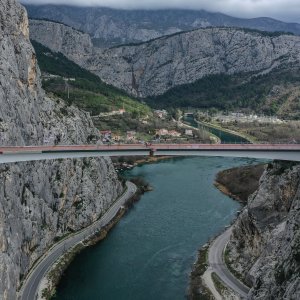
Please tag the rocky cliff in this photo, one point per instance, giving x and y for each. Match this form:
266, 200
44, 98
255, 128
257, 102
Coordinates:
62, 38
110, 27
40, 201
265, 245
156, 66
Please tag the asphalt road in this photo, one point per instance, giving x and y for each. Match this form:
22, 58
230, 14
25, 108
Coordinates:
30, 287
216, 261
265, 151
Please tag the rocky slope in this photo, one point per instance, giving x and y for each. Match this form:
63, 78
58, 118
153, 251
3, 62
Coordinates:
152, 68
110, 27
40, 201
62, 38
265, 245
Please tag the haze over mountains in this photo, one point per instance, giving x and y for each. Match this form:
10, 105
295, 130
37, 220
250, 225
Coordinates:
108, 27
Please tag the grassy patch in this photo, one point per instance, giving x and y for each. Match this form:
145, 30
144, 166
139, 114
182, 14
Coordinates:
269, 133
87, 91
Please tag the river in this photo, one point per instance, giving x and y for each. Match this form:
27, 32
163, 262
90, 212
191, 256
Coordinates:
150, 252
224, 136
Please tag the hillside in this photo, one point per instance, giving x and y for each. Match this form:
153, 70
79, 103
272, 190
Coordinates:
276, 93
152, 68
109, 27
87, 91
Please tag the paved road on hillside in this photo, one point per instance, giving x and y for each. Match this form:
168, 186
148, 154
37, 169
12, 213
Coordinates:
216, 261
30, 287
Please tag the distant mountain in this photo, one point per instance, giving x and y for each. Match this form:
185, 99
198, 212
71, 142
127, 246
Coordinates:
109, 27
152, 68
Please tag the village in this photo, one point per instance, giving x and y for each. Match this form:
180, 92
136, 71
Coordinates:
166, 130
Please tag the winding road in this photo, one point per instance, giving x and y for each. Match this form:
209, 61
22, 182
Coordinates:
217, 264
32, 282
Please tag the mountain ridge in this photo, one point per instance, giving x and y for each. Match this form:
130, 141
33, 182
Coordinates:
108, 27
154, 67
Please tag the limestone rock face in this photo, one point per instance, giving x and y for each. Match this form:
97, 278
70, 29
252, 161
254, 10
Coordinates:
265, 244
62, 39
43, 201
109, 27
40, 201
152, 68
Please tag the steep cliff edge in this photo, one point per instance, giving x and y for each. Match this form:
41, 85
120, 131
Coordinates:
154, 67
264, 248
62, 39
40, 201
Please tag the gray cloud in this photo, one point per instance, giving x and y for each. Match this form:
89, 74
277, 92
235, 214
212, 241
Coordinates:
288, 10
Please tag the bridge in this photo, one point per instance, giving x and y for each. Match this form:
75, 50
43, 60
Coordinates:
33, 153
290, 152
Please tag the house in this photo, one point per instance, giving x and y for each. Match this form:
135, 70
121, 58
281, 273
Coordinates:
188, 132
161, 113
162, 132
106, 135
174, 133
122, 111
116, 137
130, 135
69, 79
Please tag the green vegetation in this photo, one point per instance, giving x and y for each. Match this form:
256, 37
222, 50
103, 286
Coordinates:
229, 263
220, 287
87, 91
197, 290
229, 92
288, 132
240, 182
266, 33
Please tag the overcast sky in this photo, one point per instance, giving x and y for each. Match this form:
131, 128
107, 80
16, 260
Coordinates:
287, 10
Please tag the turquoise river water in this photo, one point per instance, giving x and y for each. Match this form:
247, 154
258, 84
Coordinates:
225, 137
150, 252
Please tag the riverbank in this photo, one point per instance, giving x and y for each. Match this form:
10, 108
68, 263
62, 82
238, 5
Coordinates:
213, 138
223, 135
244, 136
47, 288
238, 183
131, 162
72, 244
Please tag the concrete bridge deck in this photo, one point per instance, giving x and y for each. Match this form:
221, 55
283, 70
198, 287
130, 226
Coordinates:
264, 151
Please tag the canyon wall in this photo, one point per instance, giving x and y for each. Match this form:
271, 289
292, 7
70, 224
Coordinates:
41, 201
265, 246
